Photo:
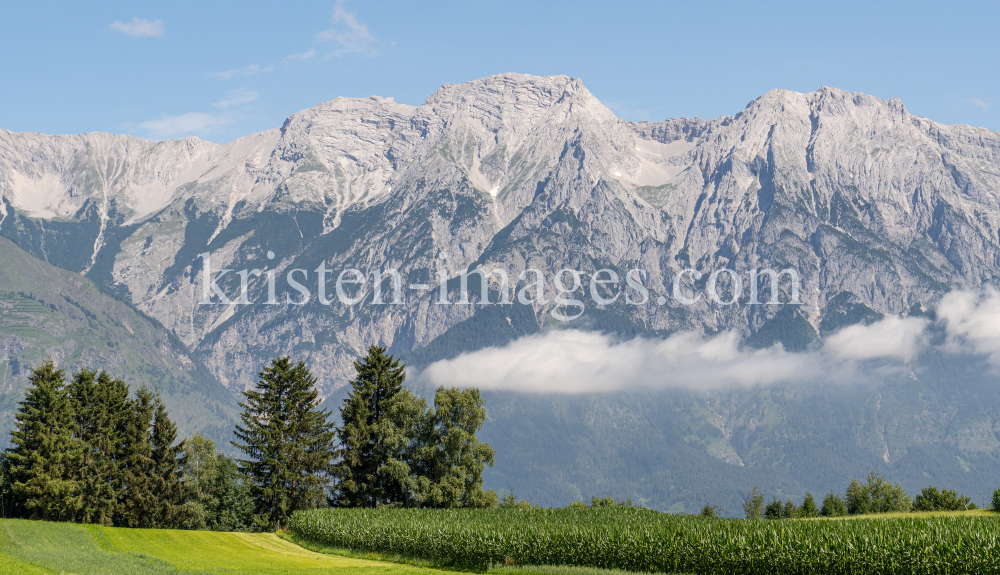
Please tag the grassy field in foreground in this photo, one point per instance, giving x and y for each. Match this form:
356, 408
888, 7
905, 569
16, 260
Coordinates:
31, 547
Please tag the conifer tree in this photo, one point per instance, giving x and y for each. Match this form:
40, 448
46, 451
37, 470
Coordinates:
166, 466
833, 506
774, 510
287, 442
368, 471
102, 408
44, 449
791, 511
395, 452
135, 496
8, 506
808, 508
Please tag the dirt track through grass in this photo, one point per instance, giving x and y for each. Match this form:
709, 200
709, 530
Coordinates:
31, 547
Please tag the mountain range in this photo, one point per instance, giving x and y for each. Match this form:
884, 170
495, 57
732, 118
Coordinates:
880, 213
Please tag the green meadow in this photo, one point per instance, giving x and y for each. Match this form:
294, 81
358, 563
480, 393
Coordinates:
30, 547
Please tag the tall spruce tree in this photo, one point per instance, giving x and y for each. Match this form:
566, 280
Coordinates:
44, 450
137, 505
287, 442
102, 408
808, 508
8, 508
369, 470
165, 469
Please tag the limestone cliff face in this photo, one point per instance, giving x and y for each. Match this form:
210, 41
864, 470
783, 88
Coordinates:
873, 206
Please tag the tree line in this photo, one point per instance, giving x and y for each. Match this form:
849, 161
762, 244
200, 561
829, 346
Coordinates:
390, 449
84, 449
875, 495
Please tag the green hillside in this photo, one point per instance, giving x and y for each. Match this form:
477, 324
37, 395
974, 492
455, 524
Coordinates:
49, 312
29, 547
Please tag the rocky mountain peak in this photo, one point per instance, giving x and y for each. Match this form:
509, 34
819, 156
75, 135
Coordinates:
507, 108
513, 170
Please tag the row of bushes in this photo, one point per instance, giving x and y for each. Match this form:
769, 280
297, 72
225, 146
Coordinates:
875, 495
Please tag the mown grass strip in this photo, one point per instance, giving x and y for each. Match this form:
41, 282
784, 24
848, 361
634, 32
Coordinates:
422, 562
43, 547
911, 515
560, 570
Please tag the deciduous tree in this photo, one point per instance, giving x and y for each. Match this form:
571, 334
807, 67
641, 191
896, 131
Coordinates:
876, 495
753, 504
930, 499
220, 499
450, 460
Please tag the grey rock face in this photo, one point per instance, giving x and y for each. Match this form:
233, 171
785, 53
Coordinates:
866, 201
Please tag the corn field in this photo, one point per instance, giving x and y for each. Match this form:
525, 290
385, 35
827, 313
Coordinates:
637, 539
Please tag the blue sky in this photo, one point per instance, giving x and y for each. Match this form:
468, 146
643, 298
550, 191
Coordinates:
221, 70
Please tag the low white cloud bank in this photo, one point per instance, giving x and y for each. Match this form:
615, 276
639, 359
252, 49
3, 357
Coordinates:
972, 321
572, 361
890, 337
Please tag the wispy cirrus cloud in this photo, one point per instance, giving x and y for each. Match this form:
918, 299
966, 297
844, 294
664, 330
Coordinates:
349, 35
984, 103
307, 55
243, 72
236, 97
199, 123
138, 28
192, 123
